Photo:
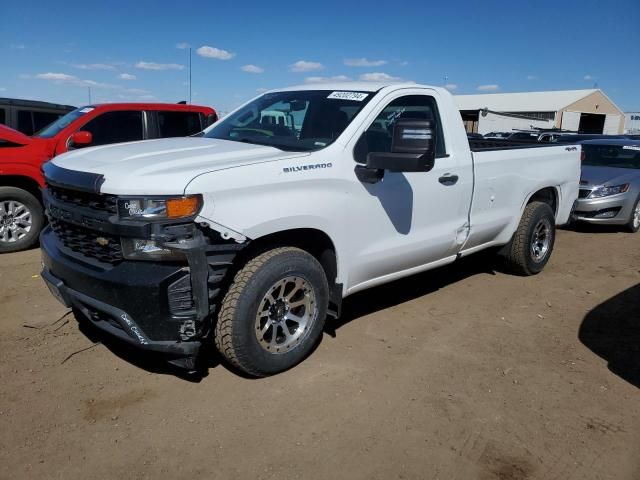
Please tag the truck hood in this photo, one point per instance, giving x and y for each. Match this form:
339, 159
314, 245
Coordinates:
165, 166
595, 176
13, 136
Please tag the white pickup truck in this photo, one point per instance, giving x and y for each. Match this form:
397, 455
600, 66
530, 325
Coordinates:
252, 233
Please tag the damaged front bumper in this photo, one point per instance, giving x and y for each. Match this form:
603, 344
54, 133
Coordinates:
163, 307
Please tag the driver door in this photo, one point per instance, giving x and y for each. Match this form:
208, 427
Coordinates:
408, 219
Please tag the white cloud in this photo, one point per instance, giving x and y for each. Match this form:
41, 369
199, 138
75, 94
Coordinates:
379, 77
136, 91
531, 77
363, 62
158, 66
451, 87
183, 45
63, 78
305, 66
403, 63
488, 88
17, 46
262, 90
57, 77
213, 52
336, 78
93, 66
3, 89
126, 76
252, 69
588, 77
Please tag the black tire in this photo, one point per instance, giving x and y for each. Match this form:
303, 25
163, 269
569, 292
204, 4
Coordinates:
236, 331
11, 243
630, 226
518, 254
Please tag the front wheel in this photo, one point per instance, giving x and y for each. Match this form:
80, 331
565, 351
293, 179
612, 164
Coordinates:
530, 248
273, 313
634, 222
21, 219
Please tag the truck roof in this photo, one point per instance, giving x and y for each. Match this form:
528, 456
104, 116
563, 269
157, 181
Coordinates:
19, 102
350, 86
147, 106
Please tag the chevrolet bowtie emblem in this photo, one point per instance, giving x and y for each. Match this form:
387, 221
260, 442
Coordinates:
103, 242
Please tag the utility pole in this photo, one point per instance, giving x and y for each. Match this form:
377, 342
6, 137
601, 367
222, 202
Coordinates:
89, 89
189, 75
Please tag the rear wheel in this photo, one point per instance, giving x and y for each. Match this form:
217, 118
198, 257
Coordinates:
21, 219
530, 248
634, 222
273, 313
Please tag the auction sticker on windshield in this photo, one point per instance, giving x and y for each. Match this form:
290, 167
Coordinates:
355, 96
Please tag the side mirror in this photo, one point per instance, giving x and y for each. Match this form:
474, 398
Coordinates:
80, 139
412, 148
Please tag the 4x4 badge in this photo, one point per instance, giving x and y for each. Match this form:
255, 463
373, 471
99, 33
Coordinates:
103, 242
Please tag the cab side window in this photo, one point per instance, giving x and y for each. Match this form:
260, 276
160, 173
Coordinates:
115, 127
377, 138
178, 124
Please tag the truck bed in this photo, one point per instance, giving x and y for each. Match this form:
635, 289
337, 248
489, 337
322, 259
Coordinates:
477, 145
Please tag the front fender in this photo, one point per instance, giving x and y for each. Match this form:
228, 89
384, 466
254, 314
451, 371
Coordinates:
22, 170
264, 199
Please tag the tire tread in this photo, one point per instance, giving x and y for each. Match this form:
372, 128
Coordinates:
223, 334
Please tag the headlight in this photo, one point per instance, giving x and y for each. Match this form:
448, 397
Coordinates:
142, 249
159, 208
607, 191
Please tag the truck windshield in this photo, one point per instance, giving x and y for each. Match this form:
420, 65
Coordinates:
56, 127
298, 120
617, 156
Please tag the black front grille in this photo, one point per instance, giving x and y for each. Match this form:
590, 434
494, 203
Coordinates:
584, 193
94, 201
90, 243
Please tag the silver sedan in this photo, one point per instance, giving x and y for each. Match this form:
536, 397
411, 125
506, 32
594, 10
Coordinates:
610, 183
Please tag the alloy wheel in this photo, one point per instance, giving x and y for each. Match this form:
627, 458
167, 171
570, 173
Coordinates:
15, 221
285, 315
541, 240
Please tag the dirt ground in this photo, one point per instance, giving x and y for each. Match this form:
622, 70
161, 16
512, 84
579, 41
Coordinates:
459, 373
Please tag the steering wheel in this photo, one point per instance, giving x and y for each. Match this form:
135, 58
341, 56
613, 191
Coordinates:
259, 131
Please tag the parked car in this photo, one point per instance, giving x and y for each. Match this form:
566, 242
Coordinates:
523, 137
21, 157
252, 234
30, 116
580, 137
610, 183
497, 135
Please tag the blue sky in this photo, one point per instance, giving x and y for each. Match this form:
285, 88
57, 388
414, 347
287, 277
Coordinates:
128, 51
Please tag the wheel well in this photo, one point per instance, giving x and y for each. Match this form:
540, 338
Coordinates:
546, 195
314, 241
25, 183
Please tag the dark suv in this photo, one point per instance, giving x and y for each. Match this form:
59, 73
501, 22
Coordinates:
29, 116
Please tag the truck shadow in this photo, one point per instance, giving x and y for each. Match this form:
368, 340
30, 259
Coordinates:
612, 331
356, 306
151, 361
406, 289
583, 227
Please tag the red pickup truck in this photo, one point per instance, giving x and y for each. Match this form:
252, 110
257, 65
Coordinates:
21, 157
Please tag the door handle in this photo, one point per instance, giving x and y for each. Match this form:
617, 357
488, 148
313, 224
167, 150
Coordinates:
448, 179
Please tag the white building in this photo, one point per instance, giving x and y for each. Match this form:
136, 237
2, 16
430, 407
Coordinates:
585, 111
632, 122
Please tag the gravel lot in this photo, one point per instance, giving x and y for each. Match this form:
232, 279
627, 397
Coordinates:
460, 373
